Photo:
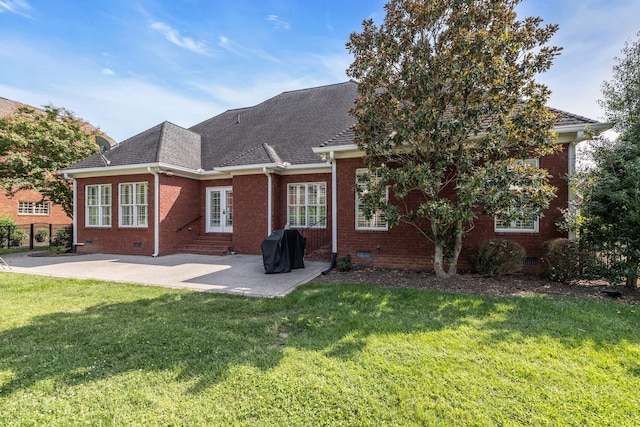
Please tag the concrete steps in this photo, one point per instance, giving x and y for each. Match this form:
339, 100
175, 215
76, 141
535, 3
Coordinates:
209, 244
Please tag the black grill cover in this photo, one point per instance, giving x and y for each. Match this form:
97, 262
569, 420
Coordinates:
282, 251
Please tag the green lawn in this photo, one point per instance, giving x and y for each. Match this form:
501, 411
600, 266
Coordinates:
81, 352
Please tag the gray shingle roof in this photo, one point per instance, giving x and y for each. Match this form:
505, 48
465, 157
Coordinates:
282, 129
346, 136
291, 123
163, 143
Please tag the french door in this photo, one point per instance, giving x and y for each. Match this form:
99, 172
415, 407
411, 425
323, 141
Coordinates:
219, 210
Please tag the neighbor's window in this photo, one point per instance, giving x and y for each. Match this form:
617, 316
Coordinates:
33, 208
527, 226
307, 205
133, 204
98, 205
377, 221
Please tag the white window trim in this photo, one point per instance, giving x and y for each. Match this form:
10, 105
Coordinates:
536, 222
306, 204
135, 205
385, 227
536, 227
34, 208
99, 206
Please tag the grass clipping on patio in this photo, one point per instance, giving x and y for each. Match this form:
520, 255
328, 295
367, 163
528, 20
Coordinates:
81, 352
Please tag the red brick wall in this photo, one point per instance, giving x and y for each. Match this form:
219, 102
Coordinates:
114, 239
402, 247
9, 206
249, 213
180, 203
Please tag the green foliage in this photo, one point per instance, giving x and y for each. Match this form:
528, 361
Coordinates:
41, 235
496, 257
9, 231
611, 193
63, 241
344, 263
565, 260
35, 144
621, 95
430, 77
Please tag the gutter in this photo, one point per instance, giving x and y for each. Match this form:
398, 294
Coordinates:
156, 213
74, 244
269, 200
334, 213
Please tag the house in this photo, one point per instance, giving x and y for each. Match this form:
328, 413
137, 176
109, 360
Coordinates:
290, 161
27, 206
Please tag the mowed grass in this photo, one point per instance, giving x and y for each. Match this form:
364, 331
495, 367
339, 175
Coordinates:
80, 352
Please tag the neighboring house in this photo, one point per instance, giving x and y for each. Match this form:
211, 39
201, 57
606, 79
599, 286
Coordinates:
225, 184
27, 207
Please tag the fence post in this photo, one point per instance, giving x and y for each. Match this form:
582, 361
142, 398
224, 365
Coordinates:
31, 229
50, 235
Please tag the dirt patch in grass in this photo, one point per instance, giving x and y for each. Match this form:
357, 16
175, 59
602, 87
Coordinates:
513, 284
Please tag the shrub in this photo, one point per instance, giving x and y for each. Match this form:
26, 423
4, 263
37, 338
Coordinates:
496, 257
17, 236
10, 232
63, 240
565, 260
344, 263
41, 235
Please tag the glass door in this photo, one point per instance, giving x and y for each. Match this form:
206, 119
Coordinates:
219, 210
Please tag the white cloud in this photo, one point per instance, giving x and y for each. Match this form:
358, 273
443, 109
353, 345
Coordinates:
278, 23
19, 7
108, 72
174, 37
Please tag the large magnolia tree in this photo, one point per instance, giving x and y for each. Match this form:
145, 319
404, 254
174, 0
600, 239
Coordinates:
448, 107
35, 144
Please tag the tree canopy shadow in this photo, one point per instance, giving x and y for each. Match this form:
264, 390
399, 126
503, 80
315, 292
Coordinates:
202, 336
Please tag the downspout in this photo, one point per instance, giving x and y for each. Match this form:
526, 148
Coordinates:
571, 170
269, 201
75, 212
334, 213
156, 213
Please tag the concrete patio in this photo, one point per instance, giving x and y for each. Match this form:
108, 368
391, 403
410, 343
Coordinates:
234, 274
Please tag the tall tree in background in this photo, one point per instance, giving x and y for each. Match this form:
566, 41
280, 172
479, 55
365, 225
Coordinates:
610, 209
448, 104
34, 144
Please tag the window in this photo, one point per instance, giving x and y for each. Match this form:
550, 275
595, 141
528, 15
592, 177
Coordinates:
33, 208
377, 221
133, 204
307, 205
98, 205
523, 226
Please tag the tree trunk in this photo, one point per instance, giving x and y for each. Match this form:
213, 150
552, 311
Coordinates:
438, 256
438, 261
632, 278
457, 248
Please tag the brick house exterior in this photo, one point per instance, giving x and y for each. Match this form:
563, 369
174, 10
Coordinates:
227, 183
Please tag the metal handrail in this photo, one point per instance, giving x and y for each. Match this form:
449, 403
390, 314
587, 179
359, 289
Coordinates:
189, 223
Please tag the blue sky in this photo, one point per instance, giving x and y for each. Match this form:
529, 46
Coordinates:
127, 65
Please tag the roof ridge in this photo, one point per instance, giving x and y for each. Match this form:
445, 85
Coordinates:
316, 87
272, 153
244, 153
338, 135
576, 116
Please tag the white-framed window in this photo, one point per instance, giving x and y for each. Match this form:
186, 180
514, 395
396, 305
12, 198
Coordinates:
377, 221
133, 206
34, 208
522, 226
98, 200
307, 204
